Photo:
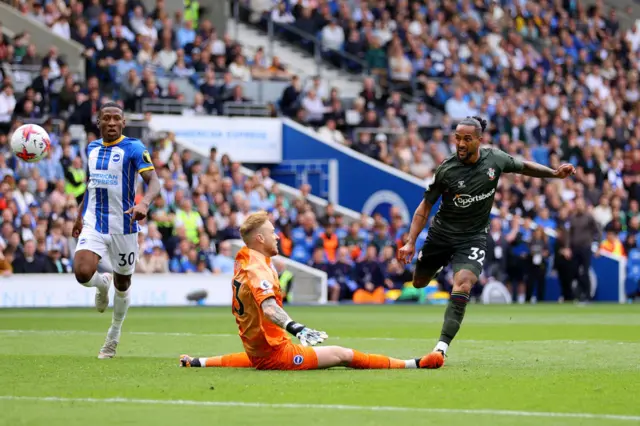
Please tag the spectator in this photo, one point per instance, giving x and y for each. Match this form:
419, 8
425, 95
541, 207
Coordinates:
401, 69
330, 132
537, 268
497, 250
167, 56
612, 243
314, 108
319, 261
291, 97
6, 260
562, 263
332, 41
280, 14
377, 60
61, 28
458, 108
518, 237
583, 232
370, 279
190, 220
421, 116
396, 275
239, 69
186, 34
7, 103
30, 261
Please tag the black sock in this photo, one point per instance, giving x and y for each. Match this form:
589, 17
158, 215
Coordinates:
453, 316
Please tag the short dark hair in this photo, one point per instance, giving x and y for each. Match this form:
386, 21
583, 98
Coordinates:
479, 123
110, 104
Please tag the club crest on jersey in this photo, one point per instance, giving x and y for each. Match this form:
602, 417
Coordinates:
146, 157
461, 184
298, 359
266, 285
116, 158
491, 173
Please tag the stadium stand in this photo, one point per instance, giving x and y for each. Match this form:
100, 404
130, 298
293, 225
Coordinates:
557, 80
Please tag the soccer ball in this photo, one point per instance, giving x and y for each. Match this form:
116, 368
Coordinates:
30, 143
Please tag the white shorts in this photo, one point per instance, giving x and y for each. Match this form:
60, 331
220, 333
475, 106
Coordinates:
122, 249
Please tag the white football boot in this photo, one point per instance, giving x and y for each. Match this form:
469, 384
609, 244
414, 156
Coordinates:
108, 350
102, 293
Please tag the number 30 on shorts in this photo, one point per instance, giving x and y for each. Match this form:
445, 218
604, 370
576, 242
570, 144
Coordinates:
126, 259
478, 255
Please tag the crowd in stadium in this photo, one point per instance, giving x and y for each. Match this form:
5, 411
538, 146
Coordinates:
557, 81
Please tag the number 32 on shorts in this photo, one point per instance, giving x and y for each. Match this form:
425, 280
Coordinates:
477, 255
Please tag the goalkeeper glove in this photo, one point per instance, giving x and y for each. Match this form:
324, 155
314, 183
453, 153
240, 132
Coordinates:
307, 336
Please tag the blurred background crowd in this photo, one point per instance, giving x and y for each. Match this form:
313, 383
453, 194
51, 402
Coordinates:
557, 80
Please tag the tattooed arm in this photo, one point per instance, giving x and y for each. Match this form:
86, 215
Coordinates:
539, 171
275, 313
419, 220
279, 317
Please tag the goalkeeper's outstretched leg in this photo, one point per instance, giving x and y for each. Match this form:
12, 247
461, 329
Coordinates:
237, 360
298, 357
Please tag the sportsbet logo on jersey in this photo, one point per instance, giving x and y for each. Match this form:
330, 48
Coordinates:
465, 200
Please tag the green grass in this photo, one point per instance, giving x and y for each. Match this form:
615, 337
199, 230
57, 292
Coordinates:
522, 359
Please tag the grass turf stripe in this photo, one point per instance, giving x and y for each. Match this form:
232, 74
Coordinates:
489, 412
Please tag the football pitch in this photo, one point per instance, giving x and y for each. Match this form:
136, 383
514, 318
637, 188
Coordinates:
511, 365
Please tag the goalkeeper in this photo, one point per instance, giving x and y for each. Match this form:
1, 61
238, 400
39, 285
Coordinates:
263, 324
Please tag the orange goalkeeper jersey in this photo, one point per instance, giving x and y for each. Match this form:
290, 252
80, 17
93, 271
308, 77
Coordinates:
254, 281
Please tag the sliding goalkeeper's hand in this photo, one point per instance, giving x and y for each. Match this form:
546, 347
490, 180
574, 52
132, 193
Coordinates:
310, 337
306, 335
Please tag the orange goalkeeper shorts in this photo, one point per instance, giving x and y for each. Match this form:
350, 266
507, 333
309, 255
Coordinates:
288, 357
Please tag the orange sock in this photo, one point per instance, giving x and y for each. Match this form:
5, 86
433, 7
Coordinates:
374, 362
237, 360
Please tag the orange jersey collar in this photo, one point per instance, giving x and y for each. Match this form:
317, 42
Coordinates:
246, 254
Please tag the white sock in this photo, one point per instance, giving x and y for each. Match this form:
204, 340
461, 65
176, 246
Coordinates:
411, 363
95, 281
442, 346
121, 302
521, 298
203, 362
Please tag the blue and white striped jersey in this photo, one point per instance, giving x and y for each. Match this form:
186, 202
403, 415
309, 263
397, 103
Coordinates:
111, 190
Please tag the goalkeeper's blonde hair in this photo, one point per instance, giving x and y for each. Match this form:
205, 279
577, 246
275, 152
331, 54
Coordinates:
251, 223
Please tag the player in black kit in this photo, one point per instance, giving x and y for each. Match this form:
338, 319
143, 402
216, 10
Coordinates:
467, 182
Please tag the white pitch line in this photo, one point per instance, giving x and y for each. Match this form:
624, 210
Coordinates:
232, 335
489, 412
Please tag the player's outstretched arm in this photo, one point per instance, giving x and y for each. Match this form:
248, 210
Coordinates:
539, 171
150, 177
139, 211
279, 317
419, 221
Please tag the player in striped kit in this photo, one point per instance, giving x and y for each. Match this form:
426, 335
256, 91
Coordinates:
108, 223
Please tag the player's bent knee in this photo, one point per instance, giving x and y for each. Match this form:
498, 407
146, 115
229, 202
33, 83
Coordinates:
85, 264
464, 281
421, 281
333, 356
121, 282
84, 273
345, 355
